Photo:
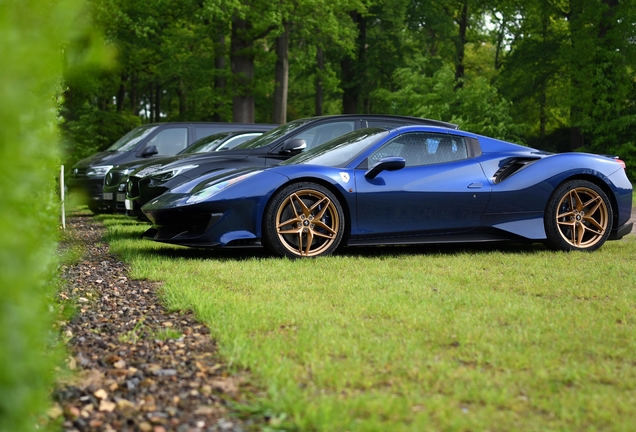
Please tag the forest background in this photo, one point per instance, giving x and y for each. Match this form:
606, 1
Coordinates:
558, 75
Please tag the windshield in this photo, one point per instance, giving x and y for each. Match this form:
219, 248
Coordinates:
130, 140
273, 134
339, 151
207, 144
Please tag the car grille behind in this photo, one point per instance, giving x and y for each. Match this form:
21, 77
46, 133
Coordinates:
132, 187
113, 178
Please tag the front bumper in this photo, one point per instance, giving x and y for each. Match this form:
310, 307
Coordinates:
89, 187
229, 223
115, 200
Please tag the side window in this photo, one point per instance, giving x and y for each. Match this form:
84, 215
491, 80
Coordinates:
320, 134
233, 142
171, 141
203, 131
422, 149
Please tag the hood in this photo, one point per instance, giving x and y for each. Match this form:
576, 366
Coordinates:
149, 167
201, 159
218, 156
153, 163
210, 178
103, 158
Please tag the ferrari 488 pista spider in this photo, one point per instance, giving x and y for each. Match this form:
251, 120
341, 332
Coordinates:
401, 185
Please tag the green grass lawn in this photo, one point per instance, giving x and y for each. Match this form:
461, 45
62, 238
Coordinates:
416, 338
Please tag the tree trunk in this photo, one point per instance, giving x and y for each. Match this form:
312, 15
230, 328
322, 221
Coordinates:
576, 112
219, 79
320, 63
543, 91
576, 138
500, 38
242, 63
134, 106
157, 102
151, 103
460, 45
281, 76
608, 18
121, 93
351, 69
181, 92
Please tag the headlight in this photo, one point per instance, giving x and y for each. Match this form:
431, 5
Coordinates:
215, 188
143, 172
167, 174
98, 171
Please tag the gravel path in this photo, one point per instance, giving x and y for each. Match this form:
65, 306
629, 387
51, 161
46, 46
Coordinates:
140, 368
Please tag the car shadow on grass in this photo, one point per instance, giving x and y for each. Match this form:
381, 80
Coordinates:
244, 254
440, 249
182, 252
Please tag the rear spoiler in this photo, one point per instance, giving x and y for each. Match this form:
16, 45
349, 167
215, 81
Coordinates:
620, 161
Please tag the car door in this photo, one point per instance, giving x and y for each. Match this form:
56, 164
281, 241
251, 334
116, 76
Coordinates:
441, 189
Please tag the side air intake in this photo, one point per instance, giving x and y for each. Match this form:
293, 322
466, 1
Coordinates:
511, 167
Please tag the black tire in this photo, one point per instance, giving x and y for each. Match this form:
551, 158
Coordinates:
303, 220
578, 216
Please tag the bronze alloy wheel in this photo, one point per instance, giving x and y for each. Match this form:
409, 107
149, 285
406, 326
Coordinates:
305, 221
582, 216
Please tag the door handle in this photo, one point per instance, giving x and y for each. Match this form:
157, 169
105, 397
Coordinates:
474, 186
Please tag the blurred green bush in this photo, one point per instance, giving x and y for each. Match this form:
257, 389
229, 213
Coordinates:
33, 37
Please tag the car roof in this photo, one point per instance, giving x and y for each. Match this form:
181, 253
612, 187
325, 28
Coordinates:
239, 125
418, 120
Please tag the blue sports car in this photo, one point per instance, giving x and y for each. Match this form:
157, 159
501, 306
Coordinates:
402, 185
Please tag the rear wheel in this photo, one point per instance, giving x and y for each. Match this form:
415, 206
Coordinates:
303, 220
578, 217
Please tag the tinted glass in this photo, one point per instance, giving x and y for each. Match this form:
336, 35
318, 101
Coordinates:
170, 141
324, 132
201, 131
339, 151
237, 140
273, 134
422, 149
206, 144
130, 140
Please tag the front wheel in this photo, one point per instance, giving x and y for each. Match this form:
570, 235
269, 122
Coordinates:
578, 217
303, 220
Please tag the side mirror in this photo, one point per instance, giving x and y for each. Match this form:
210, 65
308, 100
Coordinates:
294, 146
392, 163
149, 151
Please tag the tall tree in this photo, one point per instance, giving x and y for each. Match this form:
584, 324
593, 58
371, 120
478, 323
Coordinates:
282, 75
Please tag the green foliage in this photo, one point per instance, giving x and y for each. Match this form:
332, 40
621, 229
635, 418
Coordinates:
32, 34
476, 107
570, 66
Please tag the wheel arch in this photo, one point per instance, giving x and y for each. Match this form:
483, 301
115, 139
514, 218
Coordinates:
341, 198
604, 187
